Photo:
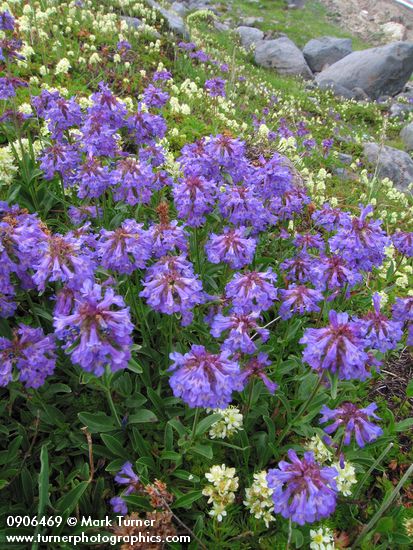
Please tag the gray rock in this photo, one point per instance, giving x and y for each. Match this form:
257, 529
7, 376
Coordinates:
377, 71
391, 163
295, 3
249, 35
221, 27
400, 110
322, 52
180, 8
345, 159
251, 21
174, 21
283, 56
407, 137
133, 22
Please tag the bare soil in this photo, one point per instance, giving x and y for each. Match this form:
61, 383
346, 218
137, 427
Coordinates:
364, 18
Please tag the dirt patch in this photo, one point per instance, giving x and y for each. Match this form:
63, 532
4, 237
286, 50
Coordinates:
391, 386
364, 18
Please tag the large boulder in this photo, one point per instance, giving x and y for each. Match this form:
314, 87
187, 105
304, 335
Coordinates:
406, 136
391, 163
249, 35
284, 56
323, 52
377, 71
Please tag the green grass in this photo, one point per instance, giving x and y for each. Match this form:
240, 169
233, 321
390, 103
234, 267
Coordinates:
299, 24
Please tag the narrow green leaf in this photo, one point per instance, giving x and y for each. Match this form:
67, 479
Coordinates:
67, 503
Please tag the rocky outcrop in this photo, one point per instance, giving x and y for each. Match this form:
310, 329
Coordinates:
377, 71
249, 35
323, 52
406, 136
391, 163
283, 56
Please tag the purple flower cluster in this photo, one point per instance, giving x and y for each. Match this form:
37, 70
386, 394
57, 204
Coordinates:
31, 352
232, 247
126, 249
303, 490
97, 330
204, 379
339, 348
171, 286
353, 420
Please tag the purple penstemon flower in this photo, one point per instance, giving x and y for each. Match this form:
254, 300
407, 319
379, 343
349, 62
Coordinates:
97, 334
403, 242
154, 97
360, 241
204, 379
93, 178
339, 347
252, 290
298, 268
59, 158
194, 197
62, 258
381, 333
126, 476
256, 368
172, 287
403, 312
32, 352
353, 420
233, 248
333, 272
6, 21
134, 181
242, 328
79, 214
329, 218
119, 506
126, 249
168, 237
303, 490
146, 128
215, 87
309, 240
8, 86
299, 299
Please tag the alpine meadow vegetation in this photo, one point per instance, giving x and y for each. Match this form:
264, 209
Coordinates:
200, 300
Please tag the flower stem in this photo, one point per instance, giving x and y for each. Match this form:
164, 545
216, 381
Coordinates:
302, 409
385, 504
195, 424
107, 380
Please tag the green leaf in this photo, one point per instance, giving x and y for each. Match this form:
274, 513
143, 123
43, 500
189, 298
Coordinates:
185, 501
206, 423
385, 525
43, 489
144, 415
135, 367
69, 501
403, 425
203, 450
43, 481
113, 444
171, 455
97, 422
409, 389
